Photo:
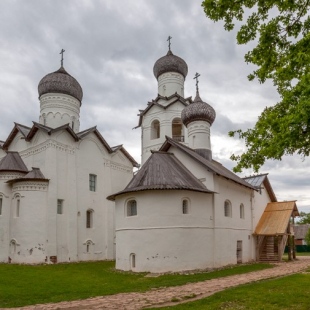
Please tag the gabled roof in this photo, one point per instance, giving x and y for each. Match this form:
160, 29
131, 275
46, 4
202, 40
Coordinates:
94, 130
260, 180
24, 130
123, 150
276, 217
163, 171
301, 230
154, 102
212, 166
29, 133
36, 126
13, 162
34, 174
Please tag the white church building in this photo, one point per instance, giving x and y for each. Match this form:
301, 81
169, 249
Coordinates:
181, 210
54, 180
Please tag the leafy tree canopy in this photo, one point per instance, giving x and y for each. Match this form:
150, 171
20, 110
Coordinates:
282, 54
304, 218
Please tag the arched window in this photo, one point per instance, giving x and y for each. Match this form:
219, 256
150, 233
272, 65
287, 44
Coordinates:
177, 132
227, 209
131, 208
185, 206
242, 211
89, 218
1, 202
155, 129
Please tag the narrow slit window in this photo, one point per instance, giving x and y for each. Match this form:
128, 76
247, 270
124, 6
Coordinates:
242, 211
89, 218
17, 207
185, 206
1, 200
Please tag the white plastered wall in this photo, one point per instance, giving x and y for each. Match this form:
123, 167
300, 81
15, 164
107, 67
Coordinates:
161, 236
165, 117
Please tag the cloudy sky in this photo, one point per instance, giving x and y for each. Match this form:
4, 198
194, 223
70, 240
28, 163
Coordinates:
111, 47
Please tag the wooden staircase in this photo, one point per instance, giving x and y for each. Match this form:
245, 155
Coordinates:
269, 250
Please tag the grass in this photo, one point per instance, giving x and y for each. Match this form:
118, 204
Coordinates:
22, 285
287, 293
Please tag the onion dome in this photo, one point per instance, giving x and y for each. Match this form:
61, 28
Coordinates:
61, 82
198, 111
170, 63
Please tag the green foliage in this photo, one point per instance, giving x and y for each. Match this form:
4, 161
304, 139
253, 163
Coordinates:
282, 54
287, 293
22, 285
307, 237
304, 218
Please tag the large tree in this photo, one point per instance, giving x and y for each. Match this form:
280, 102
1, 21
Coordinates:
282, 54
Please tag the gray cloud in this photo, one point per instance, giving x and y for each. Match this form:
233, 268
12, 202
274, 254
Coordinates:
111, 47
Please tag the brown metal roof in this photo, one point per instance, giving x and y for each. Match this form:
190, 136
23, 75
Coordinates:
13, 162
212, 166
301, 230
163, 171
259, 181
276, 217
34, 174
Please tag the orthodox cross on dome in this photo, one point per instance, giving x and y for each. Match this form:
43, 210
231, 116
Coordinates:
62, 57
197, 75
169, 39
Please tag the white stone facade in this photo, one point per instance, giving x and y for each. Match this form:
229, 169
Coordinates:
60, 218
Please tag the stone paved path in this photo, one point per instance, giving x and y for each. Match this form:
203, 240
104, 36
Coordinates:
160, 297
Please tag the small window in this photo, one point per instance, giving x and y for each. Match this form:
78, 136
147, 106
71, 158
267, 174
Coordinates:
92, 182
242, 211
60, 206
185, 209
133, 260
155, 129
89, 218
17, 207
1, 200
227, 209
131, 208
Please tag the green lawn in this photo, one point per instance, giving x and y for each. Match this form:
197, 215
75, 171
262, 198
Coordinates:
22, 285
288, 293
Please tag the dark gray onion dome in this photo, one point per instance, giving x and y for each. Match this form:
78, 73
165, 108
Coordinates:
198, 111
61, 82
170, 63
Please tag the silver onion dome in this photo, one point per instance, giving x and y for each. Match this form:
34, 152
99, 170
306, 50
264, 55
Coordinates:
198, 111
170, 63
62, 82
